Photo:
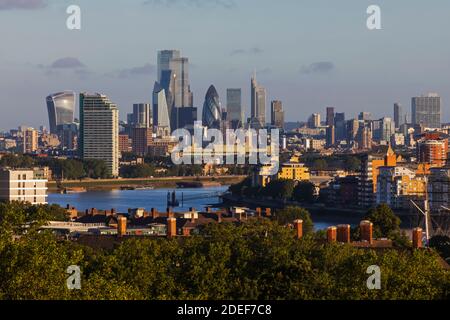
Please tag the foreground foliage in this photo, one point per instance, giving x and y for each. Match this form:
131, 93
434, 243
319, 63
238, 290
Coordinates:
257, 260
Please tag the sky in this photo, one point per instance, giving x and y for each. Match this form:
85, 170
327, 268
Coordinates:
311, 54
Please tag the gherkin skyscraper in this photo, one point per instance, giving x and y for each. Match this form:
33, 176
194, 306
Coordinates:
212, 116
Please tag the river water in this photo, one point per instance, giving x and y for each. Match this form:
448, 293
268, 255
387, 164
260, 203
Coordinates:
122, 200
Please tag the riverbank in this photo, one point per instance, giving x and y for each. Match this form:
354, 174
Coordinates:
157, 182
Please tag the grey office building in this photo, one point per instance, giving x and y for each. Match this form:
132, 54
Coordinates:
142, 115
398, 115
258, 102
61, 109
277, 114
235, 114
426, 111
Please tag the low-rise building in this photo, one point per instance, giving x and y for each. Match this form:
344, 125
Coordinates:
22, 185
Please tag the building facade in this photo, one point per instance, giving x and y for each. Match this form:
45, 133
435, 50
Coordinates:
426, 111
99, 130
277, 114
235, 112
61, 109
22, 186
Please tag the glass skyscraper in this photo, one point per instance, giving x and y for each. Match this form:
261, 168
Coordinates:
173, 77
258, 102
426, 111
235, 114
61, 109
212, 115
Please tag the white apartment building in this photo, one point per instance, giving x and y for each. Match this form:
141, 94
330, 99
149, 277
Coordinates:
23, 186
99, 130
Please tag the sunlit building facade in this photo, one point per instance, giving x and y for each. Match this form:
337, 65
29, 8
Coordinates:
61, 109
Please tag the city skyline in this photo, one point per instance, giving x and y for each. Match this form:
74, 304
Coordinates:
367, 71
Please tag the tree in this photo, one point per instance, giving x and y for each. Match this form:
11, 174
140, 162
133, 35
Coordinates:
385, 222
352, 164
290, 214
96, 169
320, 164
304, 191
279, 189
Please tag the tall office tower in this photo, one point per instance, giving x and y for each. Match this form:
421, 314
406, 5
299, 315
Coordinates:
164, 59
352, 130
235, 113
173, 76
277, 114
99, 130
340, 126
212, 115
364, 138
141, 139
258, 102
30, 140
161, 119
426, 111
314, 121
61, 109
365, 116
330, 116
398, 115
330, 136
68, 135
142, 115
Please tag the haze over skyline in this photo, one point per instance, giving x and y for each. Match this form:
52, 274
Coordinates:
309, 54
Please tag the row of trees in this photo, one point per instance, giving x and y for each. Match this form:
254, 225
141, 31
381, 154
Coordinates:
281, 189
256, 260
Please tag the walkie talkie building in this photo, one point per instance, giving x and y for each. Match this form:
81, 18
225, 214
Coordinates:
61, 109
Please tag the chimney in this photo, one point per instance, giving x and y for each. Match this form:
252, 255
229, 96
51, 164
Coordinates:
171, 227
268, 212
170, 213
207, 209
417, 238
258, 212
219, 216
366, 228
343, 233
155, 213
298, 226
121, 226
331, 234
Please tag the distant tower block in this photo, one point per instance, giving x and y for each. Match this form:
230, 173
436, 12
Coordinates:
331, 234
417, 238
343, 233
298, 226
366, 231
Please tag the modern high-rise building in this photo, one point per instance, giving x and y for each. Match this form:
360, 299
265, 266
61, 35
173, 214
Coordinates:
330, 116
142, 115
365, 116
340, 126
398, 115
61, 109
212, 115
235, 113
426, 111
30, 140
277, 114
161, 119
173, 77
314, 121
258, 102
99, 130
141, 139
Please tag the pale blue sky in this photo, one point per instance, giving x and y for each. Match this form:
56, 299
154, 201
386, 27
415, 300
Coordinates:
225, 41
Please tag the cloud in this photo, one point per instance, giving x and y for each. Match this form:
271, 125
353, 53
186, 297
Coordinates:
67, 63
147, 69
321, 67
22, 4
254, 51
64, 65
228, 4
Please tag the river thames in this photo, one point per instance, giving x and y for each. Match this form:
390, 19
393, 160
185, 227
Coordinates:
122, 200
